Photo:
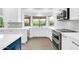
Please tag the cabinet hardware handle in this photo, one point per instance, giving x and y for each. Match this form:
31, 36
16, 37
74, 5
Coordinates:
75, 43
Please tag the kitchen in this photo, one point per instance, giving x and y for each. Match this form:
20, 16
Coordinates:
59, 26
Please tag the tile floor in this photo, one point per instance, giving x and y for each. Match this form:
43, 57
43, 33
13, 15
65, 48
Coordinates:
37, 43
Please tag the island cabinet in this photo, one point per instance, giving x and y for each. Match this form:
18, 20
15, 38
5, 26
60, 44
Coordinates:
16, 45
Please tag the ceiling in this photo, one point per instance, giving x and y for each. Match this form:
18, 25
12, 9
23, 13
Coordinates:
37, 11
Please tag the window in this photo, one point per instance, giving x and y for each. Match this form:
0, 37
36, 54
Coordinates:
26, 20
35, 22
42, 22
1, 22
39, 21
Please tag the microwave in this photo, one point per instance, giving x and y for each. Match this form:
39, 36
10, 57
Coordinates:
64, 14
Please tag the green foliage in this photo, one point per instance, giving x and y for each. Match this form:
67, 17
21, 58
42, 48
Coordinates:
38, 22
1, 22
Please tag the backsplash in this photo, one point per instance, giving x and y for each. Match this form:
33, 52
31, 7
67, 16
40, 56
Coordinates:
59, 25
72, 24
14, 24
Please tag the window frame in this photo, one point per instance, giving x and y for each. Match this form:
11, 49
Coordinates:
29, 19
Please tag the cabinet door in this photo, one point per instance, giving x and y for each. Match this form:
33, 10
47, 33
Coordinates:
10, 14
74, 13
34, 32
66, 43
16, 45
75, 44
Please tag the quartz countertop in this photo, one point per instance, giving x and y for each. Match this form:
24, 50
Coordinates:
71, 35
7, 39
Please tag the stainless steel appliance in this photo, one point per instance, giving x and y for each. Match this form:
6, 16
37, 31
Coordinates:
56, 39
64, 14
66, 30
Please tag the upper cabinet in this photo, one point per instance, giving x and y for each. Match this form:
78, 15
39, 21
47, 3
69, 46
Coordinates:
10, 14
74, 13
12, 17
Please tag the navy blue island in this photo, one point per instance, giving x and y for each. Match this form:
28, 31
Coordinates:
10, 41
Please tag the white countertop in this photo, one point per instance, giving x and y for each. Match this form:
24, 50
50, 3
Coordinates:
71, 35
6, 39
18, 28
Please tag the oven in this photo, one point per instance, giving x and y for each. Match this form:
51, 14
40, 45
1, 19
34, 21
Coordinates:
56, 39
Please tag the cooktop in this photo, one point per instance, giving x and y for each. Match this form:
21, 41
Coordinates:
66, 30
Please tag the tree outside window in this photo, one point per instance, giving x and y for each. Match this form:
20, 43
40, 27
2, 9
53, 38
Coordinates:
1, 22
39, 21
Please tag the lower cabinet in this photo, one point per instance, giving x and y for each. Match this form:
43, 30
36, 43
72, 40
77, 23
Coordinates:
75, 44
70, 43
16, 45
66, 43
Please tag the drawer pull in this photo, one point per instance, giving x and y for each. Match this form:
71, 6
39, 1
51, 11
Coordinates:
75, 43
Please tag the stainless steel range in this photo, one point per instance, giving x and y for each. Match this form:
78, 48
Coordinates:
66, 30
57, 37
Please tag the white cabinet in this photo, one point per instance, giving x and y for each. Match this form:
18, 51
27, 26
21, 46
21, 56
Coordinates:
75, 44
41, 32
66, 43
16, 31
69, 43
74, 13
10, 14
34, 32
12, 17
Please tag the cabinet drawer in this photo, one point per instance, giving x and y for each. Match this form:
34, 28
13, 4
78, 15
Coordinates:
66, 43
75, 45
